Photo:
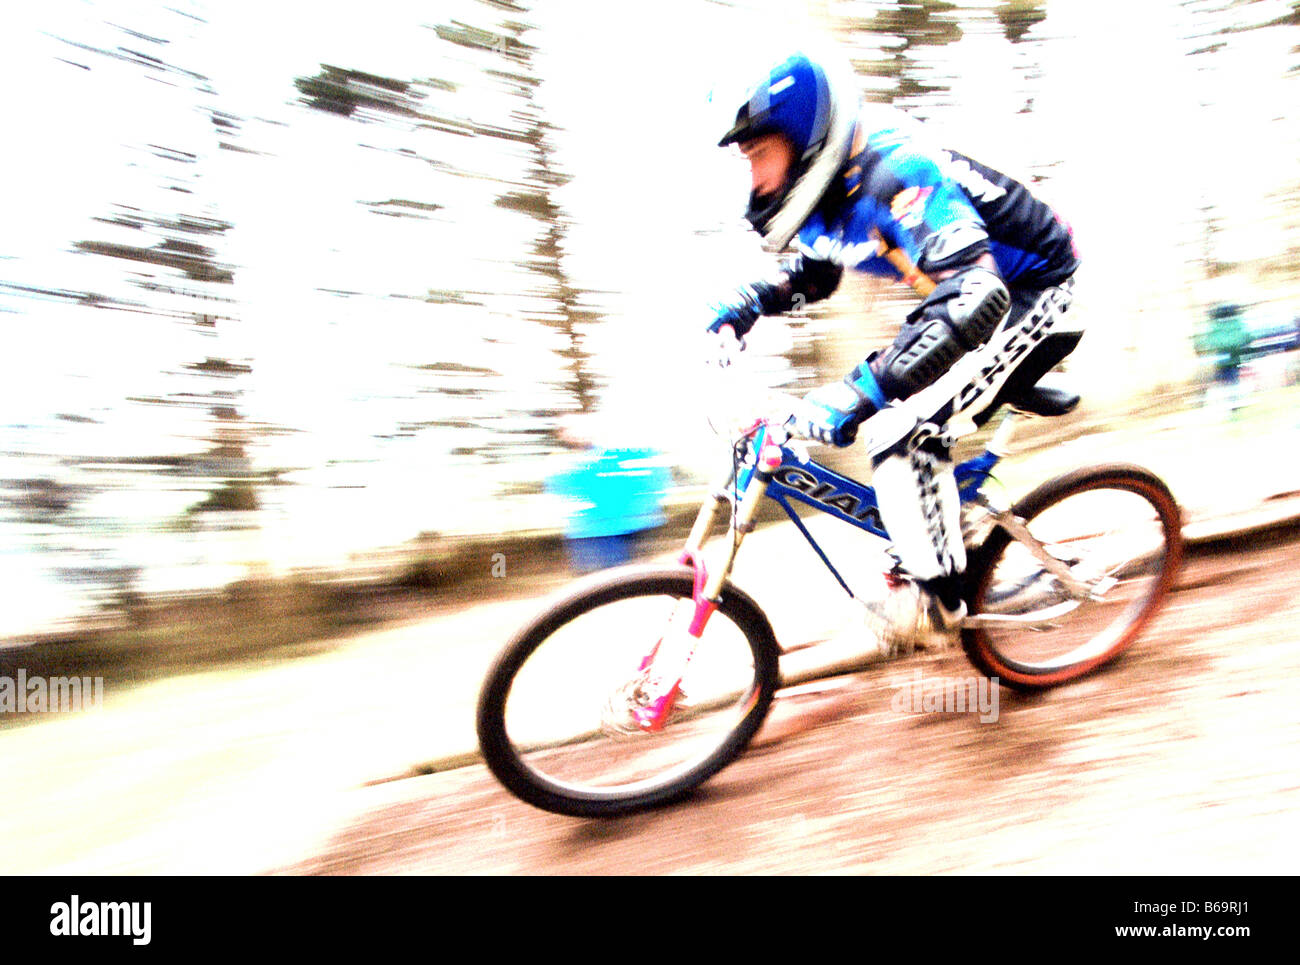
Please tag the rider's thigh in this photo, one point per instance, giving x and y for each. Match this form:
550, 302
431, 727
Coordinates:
1037, 317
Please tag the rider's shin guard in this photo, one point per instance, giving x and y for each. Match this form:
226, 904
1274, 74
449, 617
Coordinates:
921, 509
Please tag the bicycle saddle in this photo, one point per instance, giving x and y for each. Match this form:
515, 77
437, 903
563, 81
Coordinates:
1044, 400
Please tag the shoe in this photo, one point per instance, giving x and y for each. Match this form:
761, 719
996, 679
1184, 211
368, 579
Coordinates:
907, 618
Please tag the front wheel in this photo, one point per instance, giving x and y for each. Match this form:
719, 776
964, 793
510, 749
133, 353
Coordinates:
1118, 530
557, 714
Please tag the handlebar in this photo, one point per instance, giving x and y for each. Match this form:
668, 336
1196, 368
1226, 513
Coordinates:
876, 434
780, 414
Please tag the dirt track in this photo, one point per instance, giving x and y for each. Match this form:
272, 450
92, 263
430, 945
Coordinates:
1182, 758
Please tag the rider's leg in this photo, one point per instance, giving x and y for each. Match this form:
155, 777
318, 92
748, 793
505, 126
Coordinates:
914, 482
1059, 342
917, 495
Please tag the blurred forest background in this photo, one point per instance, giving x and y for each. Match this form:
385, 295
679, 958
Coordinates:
284, 285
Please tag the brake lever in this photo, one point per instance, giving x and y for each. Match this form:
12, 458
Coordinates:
781, 435
780, 432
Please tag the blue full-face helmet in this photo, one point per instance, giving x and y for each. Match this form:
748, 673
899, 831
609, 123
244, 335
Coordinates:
814, 111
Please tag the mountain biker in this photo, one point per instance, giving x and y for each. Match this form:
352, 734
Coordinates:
859, 186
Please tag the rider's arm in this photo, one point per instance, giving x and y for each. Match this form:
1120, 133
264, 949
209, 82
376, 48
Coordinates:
931, 219
802, 279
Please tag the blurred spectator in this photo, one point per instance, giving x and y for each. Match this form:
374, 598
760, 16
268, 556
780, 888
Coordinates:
1274, 338
1225, 342
614, 496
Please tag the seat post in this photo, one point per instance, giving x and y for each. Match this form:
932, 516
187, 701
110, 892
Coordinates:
1000, 443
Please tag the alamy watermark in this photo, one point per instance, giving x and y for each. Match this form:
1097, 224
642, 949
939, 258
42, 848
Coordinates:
36, 694
131, 919
947, 695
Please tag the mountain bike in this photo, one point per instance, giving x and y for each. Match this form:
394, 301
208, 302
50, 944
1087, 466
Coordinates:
644, 682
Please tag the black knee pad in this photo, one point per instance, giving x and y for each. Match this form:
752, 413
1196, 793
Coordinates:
923, 351
958, 316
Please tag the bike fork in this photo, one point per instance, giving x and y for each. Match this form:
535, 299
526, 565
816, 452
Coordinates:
666, 666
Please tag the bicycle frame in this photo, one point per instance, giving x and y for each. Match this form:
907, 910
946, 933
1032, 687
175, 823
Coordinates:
781, 474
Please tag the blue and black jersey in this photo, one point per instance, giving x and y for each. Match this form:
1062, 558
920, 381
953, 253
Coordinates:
899, 190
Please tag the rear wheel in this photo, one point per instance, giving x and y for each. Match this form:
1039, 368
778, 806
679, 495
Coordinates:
1119, 531
557, 715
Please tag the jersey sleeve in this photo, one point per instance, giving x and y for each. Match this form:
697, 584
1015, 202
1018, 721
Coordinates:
925, 214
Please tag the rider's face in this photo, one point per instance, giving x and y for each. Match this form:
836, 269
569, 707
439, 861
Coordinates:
770, 157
